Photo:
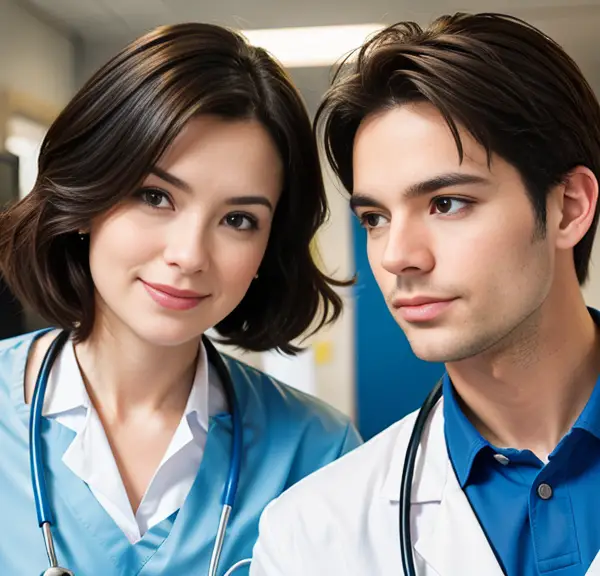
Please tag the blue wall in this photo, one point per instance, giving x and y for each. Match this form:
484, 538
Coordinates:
390, 380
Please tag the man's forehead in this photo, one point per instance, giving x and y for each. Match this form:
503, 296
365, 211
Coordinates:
414, 145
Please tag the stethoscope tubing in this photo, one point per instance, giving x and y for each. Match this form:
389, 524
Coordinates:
36, 457
408, 473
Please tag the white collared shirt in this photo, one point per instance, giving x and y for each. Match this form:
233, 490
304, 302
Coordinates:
90, 457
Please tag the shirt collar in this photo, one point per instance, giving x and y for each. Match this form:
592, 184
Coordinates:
589, 419
199, 394
462, 438
66, 389
465, 442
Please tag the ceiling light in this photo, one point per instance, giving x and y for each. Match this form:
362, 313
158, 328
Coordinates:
311, 46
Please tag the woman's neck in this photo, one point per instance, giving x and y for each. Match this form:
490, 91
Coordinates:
125, 374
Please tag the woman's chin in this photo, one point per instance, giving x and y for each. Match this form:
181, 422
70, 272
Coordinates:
168, 333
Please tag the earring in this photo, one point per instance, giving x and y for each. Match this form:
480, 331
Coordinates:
256, 277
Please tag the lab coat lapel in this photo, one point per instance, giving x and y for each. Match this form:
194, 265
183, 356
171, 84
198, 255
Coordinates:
446, 533
457, 546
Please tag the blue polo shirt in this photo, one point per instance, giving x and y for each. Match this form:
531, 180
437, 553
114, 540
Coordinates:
539, 518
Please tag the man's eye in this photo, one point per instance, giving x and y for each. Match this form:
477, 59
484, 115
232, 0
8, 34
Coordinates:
448, 205
372, 220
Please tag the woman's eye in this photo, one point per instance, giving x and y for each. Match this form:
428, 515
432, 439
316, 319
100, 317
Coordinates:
371, 220
155, 198
241, 221
448, 205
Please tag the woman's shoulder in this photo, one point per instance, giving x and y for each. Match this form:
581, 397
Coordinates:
292, 422
14, 350
280, 403
22, 355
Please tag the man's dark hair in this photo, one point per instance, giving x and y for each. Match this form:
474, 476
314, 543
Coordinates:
510, 86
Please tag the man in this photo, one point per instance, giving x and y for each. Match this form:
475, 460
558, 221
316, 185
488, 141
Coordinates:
471, 151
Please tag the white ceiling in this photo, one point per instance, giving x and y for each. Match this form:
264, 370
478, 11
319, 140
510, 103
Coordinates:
104, 26
121, 20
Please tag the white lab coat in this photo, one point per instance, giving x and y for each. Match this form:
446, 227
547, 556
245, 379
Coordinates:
343, 520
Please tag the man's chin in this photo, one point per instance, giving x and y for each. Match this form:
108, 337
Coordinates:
431, 349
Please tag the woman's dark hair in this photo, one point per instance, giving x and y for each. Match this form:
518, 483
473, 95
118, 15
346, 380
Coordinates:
514, 90
111, 135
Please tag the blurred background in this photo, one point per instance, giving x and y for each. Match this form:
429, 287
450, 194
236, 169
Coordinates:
362, 365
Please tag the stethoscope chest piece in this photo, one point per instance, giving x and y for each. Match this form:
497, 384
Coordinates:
57, 571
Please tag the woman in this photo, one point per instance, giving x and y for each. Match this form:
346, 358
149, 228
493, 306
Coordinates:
178, 191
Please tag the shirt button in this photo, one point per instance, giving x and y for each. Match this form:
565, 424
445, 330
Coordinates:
544, 491
502, 459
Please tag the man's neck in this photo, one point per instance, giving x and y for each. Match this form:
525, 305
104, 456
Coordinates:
527, 393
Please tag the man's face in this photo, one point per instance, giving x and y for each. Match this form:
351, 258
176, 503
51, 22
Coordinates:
455, 247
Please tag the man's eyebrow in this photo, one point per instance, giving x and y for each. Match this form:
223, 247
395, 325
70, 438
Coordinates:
435, 184
442, 181
360, 200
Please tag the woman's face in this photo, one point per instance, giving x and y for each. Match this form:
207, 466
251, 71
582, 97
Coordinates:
179, 255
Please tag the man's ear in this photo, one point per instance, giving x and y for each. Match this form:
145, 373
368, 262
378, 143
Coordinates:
578, 198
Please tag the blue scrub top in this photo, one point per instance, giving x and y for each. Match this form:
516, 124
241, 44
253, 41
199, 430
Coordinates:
540, 519
287, 435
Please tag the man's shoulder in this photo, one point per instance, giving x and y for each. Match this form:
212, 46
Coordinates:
318, 525
365, 469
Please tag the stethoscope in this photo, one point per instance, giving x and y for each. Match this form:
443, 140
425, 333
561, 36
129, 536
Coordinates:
42, 503
408, 474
